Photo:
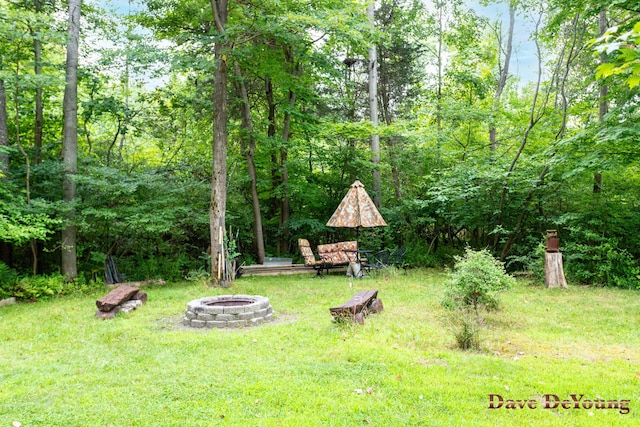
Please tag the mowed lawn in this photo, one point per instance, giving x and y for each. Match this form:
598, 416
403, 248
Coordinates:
60, 366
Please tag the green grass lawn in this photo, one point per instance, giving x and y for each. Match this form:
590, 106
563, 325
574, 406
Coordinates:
60, 366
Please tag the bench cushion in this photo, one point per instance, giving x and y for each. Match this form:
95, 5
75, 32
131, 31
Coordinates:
334, 252
307, 253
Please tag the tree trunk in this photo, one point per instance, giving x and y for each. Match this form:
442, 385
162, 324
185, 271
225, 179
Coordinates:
440, 7
249, 149
535, 115
4, 134
27, 179
373, 112
274, 203
502, 78
218, 205
394, 148
563, 66
5, 247
553, 271
285, 206
36, 246
282, 246
37, 131
70, 141
604, 91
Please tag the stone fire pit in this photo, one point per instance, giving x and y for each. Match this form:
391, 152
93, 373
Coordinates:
228, 311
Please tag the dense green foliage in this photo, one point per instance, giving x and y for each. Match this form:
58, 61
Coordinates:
475, 281
468, 158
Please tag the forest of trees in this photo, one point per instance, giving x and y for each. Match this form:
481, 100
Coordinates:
138, 130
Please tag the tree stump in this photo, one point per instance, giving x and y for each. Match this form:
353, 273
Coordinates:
553, 271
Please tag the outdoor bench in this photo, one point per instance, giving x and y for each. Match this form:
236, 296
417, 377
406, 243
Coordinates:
330, 254
358, 307
340, 253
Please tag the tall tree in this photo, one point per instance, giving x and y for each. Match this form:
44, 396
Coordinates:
4, 135
70, 141
503, 73
294, 69
401, 74
604, 90
37, 68
218, 205
248, 144
373, 112
569, 54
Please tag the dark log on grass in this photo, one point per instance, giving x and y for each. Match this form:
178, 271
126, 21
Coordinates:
553, 271
356, 305
115, 297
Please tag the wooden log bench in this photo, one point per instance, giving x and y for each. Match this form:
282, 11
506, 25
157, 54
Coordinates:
358, 306
123, 298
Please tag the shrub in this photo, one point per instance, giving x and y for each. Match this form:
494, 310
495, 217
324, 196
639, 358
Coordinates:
597, 260
466, 330
421, 254
529, 258
474, 283
8, 278
37, 287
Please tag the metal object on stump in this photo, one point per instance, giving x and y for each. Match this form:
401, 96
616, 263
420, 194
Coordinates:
553, 241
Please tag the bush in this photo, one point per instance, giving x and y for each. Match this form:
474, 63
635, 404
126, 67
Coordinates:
420, 254
466, 330
37, 287
8, 279
474, 283
598, 260
529, 258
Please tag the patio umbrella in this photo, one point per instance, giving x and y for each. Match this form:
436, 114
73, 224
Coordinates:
356, 210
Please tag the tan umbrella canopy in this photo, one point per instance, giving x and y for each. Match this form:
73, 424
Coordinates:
356, 210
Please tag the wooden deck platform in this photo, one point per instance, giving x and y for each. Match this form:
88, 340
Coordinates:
275, 270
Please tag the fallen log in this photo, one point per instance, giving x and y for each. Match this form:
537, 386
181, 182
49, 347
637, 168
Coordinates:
117, 296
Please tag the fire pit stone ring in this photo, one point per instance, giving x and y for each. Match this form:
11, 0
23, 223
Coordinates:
228, 311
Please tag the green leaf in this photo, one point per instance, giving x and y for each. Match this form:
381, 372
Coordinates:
605, 70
